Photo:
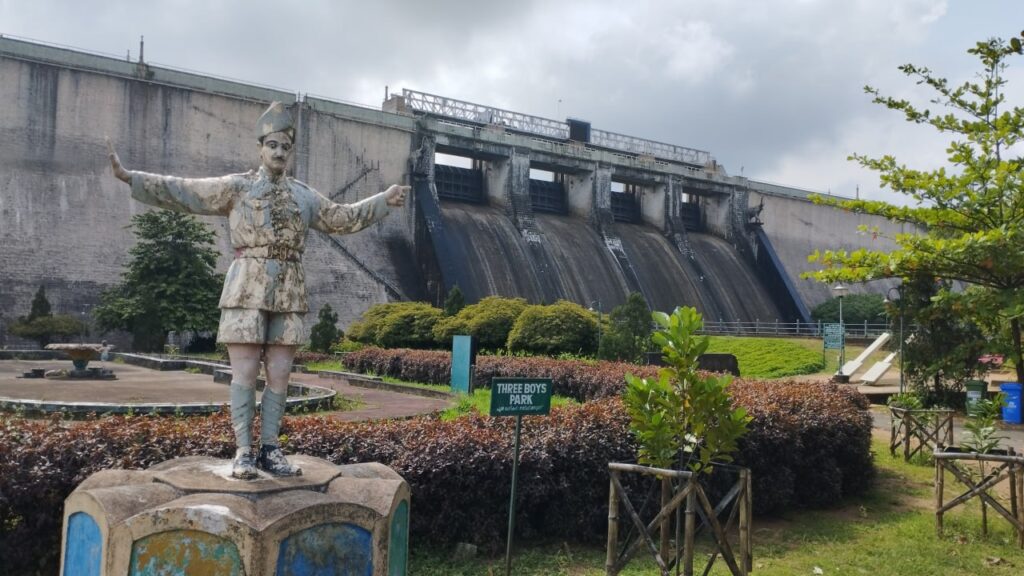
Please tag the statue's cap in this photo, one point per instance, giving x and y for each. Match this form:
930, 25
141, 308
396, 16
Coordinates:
277, 118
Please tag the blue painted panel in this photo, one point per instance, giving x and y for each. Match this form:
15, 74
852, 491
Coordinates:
462, 349
334, 549
185, 553
398, 543
84, 547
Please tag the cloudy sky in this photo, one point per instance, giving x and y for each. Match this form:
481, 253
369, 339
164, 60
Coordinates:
772, 88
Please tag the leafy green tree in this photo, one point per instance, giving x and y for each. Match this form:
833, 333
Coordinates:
42, 325
454, 301
857, 309
628, 336
562, 327
946, 345
966, 220
325, 332
169, 283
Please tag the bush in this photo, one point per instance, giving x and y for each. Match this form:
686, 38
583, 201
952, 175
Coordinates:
408, 325
807, 445
397, 324
46, 329
580, 380
489, 321
563, 327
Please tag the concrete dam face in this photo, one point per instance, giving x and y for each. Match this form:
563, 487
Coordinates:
571, 261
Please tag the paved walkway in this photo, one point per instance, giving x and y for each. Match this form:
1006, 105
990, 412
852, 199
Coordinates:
1013, 433
137, 385
376, 404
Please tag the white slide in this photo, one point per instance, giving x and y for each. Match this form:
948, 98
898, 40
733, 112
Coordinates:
853, 365
875, 373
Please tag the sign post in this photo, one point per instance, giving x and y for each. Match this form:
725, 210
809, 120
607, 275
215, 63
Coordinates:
462, 364
518, 397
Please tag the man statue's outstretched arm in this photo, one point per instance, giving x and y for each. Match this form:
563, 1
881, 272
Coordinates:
206, 196
335, 218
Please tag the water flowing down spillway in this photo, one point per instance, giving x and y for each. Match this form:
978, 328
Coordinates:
572, 262
717, 280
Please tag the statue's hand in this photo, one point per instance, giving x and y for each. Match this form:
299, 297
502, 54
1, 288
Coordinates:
395, 195
119, 172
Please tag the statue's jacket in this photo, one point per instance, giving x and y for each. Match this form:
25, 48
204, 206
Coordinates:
268, 220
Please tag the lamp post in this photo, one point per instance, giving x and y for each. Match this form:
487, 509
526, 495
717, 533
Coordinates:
899, 307
840, 291
598, 310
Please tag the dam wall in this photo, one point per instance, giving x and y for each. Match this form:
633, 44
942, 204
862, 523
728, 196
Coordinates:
621, 214
797, 227
63, 216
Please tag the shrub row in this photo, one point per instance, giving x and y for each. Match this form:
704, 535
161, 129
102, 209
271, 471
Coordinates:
579, 379
496, 323
808, 446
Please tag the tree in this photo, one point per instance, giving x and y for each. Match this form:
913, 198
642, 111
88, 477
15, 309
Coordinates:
968, 217
857, 309
44, 327
325, 332
40, 305
628, 336
945, 350
454, 301
169, 283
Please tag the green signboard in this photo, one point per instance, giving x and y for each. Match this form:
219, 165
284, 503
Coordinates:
833, 336
520, 396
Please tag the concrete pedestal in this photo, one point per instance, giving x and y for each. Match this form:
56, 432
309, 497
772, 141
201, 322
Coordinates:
188, 517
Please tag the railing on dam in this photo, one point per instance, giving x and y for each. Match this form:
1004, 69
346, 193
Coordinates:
481, 114
795, 329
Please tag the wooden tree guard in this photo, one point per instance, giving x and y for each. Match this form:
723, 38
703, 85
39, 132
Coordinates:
1006, 467
920, 431
696, 504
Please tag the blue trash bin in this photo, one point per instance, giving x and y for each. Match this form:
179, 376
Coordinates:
1011, 411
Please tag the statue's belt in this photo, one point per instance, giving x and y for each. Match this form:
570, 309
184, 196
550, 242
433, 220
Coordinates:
270, 252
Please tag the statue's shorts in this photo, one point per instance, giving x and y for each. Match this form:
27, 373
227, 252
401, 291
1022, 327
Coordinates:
245, 326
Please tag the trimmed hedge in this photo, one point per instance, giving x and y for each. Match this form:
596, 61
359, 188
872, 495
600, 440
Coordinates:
808, 446
581, 380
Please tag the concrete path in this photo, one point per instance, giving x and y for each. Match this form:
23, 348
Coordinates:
1013, 433
376, 404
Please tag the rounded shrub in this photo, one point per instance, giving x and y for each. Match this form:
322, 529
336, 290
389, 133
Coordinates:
563, 327
489, 321
397, 324
408, 325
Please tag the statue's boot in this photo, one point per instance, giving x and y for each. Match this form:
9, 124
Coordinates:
271, 458
243, 407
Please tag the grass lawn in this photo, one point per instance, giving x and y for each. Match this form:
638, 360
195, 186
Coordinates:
771, 357
890, 530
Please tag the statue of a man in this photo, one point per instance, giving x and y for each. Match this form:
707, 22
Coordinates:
264, 296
